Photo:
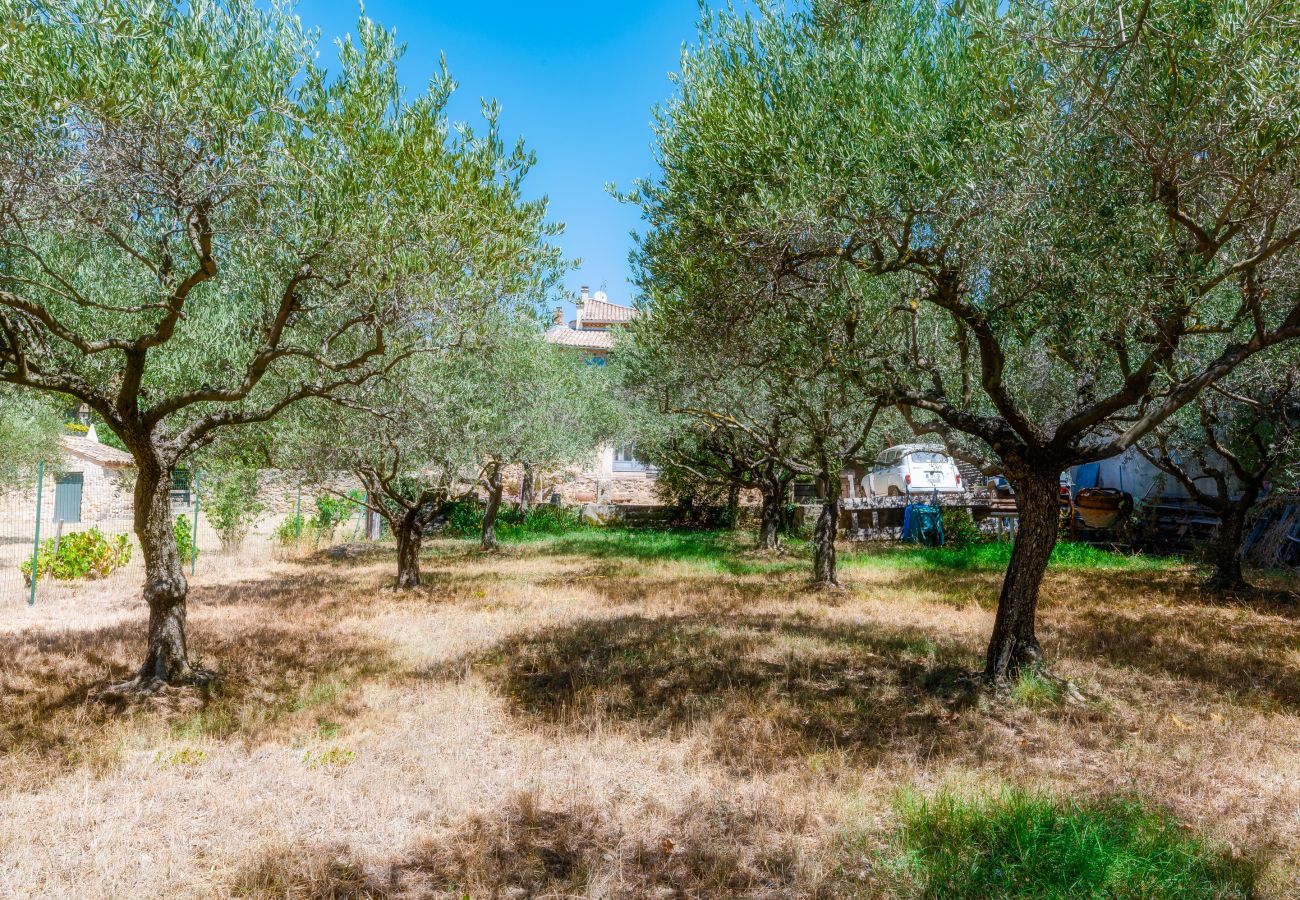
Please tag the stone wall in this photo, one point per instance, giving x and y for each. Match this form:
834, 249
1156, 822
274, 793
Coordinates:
579, 485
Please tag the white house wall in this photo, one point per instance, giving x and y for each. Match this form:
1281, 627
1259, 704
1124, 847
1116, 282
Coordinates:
1132, 473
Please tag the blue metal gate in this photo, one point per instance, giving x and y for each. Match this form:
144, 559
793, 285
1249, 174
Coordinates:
67, 497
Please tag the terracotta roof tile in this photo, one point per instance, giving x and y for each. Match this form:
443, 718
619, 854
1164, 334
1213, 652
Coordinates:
96, 452
604, 311
564, 336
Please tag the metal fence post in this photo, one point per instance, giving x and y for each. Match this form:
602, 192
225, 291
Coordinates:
297, 521
194, 541
36, 540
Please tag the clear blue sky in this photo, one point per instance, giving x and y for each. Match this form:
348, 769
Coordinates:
577, 80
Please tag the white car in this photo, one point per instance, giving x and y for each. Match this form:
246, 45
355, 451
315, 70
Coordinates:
913, 468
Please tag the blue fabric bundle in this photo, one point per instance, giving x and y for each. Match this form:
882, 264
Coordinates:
923, 524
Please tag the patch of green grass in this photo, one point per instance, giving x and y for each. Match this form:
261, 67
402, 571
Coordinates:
225, 715
646, 544
1034, 689
317, 693
211, 721
1018, 844
182, 758
724, 552
992, 557
329, 758
719, 551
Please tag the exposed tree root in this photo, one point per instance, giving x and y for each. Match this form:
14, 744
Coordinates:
1001, 687
151, 688
1247, 593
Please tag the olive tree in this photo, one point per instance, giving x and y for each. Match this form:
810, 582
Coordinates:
29, 434
697, 456
533, 405
408, 438
1076, 217
1227, 447
765, 374
201, 227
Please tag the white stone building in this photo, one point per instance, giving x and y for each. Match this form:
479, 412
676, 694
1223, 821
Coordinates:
617, 475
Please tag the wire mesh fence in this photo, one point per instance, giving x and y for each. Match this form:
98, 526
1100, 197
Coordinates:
72, 531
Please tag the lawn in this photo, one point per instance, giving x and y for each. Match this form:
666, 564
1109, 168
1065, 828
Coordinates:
612, 713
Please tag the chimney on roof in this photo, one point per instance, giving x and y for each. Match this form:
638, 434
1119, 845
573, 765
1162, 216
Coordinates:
584, 290
558, 318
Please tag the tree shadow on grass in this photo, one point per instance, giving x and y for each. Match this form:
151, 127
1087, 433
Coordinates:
1248, 658
528, 846
1160, 623
274, 672
766, 688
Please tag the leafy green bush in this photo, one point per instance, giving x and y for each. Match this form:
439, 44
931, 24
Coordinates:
230, 502
81, 554
960, 530
692, 501
332, 511
287, 532
1020, 844
184, 538
465, 519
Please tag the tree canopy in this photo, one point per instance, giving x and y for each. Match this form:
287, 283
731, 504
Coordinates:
200, 226
29, 435
1038, 229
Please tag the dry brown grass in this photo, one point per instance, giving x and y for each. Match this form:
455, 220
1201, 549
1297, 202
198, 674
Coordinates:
547, 723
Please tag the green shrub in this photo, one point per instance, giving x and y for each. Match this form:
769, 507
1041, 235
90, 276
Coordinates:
81, 554
184, 538
1018, 844
287, 532
465, 519
230, 502
693, 502
332, 511
551, 519
960, 530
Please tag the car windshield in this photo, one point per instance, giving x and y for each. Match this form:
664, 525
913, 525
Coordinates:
927, 456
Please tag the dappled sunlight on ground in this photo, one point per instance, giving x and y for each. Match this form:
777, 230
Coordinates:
593, 715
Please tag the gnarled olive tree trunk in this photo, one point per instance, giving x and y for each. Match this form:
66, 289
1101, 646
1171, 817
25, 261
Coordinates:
769, 522
165, 589
528, 488
493, 480
1014, 644
1228, 576
826, 530
409, 529
772, 512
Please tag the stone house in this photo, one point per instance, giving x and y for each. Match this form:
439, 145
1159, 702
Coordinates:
91, 484
616, 475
